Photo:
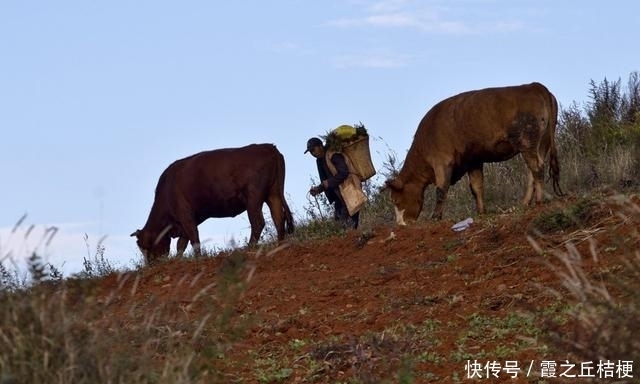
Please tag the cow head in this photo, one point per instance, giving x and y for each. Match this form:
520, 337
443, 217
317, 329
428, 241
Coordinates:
407, 199
152, 245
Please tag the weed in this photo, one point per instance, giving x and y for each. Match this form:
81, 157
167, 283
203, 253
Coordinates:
430, 325
453, 244
429, 357
297, 344
576, 216
366, 357
602, 327
95, 265
510, 333
55, 332
9, 280
271, 371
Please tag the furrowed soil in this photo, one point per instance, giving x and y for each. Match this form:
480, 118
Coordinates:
414, 304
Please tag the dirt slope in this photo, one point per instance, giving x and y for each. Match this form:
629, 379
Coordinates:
416, 302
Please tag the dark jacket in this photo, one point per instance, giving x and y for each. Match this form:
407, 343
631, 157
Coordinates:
342, 172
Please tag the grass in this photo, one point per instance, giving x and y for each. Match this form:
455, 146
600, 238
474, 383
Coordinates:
363, 357
52, 332
605, 311
515, 331
575, 216
271, 370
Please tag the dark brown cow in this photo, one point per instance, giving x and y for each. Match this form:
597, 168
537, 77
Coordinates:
459, 134
218, 183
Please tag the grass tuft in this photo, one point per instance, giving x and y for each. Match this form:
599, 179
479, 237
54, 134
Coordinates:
577, 215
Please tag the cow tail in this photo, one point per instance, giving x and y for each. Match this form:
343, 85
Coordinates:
554, 170
288, 218
289, 226
554, 164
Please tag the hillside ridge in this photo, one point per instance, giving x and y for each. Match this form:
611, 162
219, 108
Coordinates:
398, 301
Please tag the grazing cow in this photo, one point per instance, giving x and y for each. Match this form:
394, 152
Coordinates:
459, 134
218, 183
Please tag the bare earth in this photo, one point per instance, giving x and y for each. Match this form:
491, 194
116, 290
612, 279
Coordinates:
416, 303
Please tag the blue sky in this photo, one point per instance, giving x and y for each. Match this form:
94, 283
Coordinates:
98, 97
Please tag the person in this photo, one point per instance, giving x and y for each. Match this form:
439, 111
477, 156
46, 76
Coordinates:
330, 181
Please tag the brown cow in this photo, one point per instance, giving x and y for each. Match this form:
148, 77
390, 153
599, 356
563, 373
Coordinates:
459, 134
218, 183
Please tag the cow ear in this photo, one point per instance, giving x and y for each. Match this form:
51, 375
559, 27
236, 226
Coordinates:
395, 183
136, 233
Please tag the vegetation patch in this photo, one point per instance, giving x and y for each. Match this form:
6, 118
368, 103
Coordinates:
366, 359
575, 216
604, 302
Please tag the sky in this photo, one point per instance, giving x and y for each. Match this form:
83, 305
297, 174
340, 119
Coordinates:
97, 98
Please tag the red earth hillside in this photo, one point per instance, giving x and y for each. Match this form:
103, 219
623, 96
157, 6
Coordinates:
415, 302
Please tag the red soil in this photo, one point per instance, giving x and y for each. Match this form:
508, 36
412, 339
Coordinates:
339, 309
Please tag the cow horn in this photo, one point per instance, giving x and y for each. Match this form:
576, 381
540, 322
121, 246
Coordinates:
136, 233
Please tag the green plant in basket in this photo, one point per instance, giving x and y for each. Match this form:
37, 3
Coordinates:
344, 135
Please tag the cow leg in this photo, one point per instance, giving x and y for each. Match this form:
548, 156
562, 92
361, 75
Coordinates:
191, 233
182, 245
277, 214
529, 193
443, 181
194, 238
256, 219
476, 184
535, 177
539, 182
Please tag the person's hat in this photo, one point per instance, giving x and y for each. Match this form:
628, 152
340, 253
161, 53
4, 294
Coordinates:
313, 142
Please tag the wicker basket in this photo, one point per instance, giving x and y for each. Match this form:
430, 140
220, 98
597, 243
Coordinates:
360, 157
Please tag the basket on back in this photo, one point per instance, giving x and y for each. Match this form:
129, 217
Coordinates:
353, 142
358, 153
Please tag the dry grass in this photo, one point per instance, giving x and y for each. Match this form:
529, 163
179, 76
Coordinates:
604, 307
55, 332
